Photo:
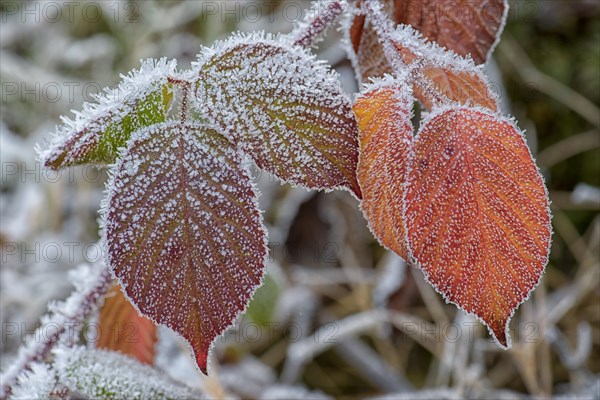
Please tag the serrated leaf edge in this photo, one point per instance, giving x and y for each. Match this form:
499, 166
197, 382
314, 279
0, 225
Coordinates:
512, 123
137, 84
277, 40
104, 207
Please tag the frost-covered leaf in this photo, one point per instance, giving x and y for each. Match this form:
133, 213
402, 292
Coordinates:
467, 27
383, 113
103, 374
283, 108
363, 46
441, 77
183, 230
91, 284
37, 382
96, 134
438, 85
121, 328
477, 213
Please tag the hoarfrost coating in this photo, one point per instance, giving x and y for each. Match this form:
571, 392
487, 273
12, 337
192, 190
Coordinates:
282, 107
184, 234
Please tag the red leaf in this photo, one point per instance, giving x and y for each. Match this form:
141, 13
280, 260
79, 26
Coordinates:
122, 329
183, 231
440, 77
467, 27
383, 115
442, 85
283, 108
477, 213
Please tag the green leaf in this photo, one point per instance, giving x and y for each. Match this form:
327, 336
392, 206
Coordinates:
283, 108
103, 374
96, 134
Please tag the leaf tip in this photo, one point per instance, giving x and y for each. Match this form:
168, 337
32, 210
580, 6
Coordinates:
202, 361
499, 332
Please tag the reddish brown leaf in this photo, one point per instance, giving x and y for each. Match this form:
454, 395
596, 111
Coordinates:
467, 27
440, 77
183, 231
283, 108
384, 122
477, 213
366, 53
436, 86
122, 329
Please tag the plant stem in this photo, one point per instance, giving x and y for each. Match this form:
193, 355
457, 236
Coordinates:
185, 92
65, 317
319, 19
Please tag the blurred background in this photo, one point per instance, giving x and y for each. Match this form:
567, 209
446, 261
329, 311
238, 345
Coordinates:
318, 326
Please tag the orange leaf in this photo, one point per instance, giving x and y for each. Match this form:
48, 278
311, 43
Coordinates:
477, 213
442, 77
436, 85
122, 329
385, 132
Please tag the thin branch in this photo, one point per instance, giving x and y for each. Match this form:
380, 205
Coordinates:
321, 16
569, 147
523, 66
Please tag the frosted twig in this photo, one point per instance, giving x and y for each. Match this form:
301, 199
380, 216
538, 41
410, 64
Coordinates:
355, 352
299, 353
563, 300
390, 279
91, 285
321, 16
430, 298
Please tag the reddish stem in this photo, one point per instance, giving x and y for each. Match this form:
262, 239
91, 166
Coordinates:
185, 91
308, 33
